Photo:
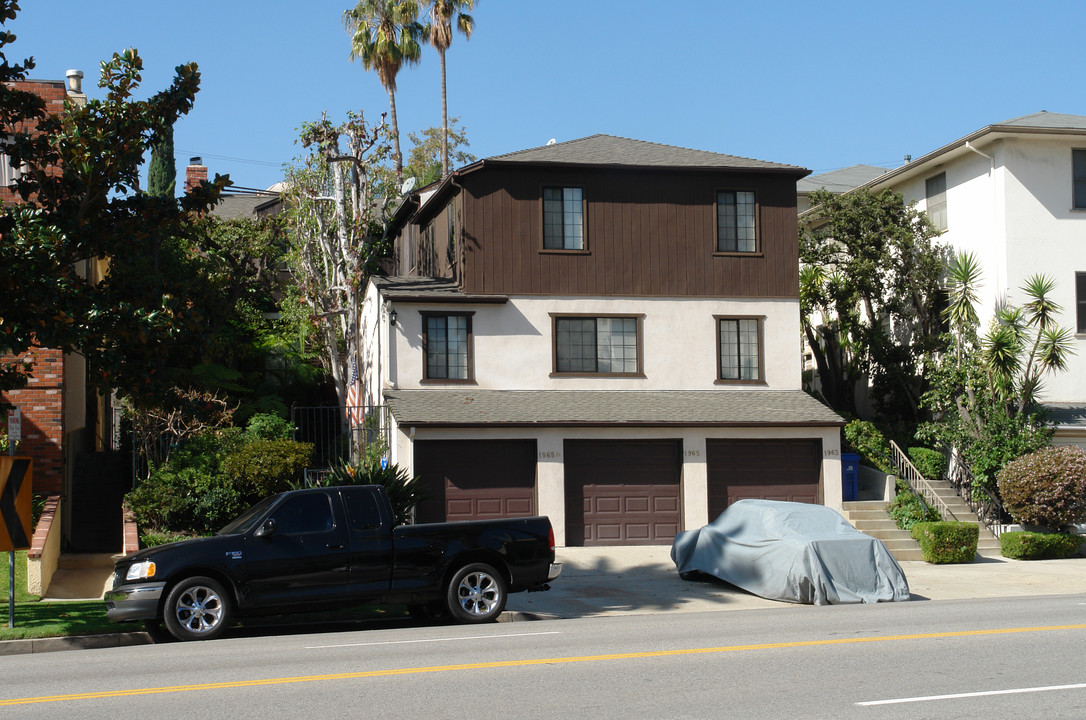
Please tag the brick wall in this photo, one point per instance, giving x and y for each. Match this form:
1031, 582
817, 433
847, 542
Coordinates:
42, 401
42, 405
54, 93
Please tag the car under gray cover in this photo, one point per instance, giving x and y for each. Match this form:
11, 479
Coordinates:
793, 552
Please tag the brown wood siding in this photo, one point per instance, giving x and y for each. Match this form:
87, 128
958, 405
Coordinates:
648, 234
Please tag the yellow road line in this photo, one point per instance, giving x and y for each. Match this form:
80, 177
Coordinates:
522, 663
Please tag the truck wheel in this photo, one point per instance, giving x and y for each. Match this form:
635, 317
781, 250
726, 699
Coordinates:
476, 594
197, 608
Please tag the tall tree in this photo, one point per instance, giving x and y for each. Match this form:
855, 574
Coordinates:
79, 173
444, 14
385, 36
162, 170
870, 297
424, 160
338, 222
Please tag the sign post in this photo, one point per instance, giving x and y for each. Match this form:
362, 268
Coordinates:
15, 482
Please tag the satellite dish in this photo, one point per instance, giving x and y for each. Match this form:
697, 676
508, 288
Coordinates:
408, 185
552, 141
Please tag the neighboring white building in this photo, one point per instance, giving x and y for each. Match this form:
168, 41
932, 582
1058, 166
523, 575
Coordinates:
835, 181
604, 331
1014, 194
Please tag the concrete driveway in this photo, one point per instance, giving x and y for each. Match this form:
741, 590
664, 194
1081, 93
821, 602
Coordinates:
622, 580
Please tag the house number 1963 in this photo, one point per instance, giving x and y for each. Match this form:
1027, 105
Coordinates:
550, 455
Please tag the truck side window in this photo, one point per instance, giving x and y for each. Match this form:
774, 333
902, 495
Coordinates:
362, 511
304, 514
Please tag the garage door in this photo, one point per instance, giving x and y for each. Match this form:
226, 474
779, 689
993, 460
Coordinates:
476, 479
621, 492
767, 469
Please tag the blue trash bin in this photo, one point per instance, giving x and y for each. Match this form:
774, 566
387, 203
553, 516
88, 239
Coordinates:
850, 476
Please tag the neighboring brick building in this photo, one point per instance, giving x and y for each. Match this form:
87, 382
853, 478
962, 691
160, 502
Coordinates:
53, 403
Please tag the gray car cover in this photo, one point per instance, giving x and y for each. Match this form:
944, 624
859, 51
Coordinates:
794, 552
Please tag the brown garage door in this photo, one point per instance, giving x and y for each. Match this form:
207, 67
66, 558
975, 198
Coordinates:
622, 492
476, 479
766, 469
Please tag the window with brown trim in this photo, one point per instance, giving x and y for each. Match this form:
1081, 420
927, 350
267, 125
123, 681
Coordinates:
597, 345
446, 342
736, 226
1080, 300
739, 349
1078, 163
563, 218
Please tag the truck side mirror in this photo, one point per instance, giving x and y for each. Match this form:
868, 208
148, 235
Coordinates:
266, 529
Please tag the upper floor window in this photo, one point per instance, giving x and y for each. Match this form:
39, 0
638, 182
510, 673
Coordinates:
739, 344
735, 226
446, 344
605, 345
935, 194
1080, 300
563, 218
1078, 160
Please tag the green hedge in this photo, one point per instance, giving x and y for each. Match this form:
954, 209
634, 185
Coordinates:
1039, 546
928, 462
264, 467
947, 542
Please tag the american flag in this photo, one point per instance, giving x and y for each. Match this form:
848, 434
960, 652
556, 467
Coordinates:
355, 411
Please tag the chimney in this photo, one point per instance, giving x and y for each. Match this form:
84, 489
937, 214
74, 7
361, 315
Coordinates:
195, 173
75, 88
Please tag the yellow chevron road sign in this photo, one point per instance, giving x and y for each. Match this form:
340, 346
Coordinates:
15, 481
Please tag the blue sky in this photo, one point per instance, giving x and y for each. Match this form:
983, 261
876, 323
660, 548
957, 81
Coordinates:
822, 85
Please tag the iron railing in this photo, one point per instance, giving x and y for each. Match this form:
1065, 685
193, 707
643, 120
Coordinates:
339, 433
984, 505
918, 483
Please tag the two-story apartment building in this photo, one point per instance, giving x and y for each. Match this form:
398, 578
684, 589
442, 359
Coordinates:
1014, 194
604, 331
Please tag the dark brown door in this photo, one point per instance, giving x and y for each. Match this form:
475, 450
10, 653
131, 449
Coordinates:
476, 479
766, 469
622, 492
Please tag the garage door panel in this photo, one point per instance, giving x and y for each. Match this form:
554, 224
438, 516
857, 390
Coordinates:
788, 470
476, 479
622, 492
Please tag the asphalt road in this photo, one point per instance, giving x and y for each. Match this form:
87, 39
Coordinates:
913, 660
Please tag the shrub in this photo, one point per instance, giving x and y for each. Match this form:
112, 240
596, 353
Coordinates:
947, 542
184, 500
268, 426
152, 537
1039, 546
263, 467
869, 442
928, 462
907, 509
1046, 487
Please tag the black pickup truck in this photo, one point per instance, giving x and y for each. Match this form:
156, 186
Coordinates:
331, 547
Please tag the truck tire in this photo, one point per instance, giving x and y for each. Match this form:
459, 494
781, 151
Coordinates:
476, 594
197, 608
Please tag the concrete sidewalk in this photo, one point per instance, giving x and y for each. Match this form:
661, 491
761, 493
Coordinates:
622, 580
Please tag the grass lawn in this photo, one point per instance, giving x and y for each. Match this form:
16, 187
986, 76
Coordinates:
36, 619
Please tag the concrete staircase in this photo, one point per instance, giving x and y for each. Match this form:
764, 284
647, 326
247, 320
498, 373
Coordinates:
870, 517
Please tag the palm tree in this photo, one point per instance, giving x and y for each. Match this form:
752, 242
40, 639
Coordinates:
385, 36
442, 15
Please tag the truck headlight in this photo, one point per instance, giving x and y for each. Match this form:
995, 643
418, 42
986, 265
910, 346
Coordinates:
141, 570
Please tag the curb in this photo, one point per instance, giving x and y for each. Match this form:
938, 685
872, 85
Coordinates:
73, 642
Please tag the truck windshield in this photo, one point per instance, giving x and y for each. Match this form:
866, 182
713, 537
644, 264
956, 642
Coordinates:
248, 518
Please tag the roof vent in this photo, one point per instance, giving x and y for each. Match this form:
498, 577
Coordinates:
552, 141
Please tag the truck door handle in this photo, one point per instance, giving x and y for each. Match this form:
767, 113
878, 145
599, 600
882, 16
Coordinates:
335, 547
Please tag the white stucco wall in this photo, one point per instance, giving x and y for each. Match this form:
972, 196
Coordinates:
1014, 212
513, 342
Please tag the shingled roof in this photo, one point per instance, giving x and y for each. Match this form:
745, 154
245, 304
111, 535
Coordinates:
611, 151
608, 408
